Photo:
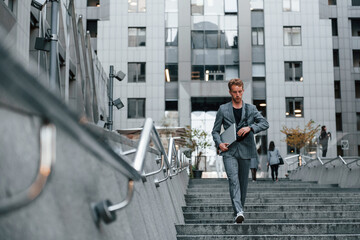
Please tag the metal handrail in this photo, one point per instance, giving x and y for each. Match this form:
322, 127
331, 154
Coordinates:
330, 161
287, 158
105, 210
34, 96
47, 158
19, 83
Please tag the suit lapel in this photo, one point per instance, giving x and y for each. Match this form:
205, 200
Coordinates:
243, 115
231, 112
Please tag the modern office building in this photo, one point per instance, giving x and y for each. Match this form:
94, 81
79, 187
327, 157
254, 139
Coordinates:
296, 64
345, 22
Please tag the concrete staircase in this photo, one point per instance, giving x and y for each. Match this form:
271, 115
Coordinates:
281, 210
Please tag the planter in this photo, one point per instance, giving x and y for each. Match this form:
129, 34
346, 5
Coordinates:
197, 173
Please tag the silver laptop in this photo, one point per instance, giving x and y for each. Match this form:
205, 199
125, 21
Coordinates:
229, 135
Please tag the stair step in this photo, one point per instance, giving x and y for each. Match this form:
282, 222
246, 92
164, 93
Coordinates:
273, 208
281, 210
271, 237
269, 229
272, 195
273, 221
272, 189
276, 215
302, 200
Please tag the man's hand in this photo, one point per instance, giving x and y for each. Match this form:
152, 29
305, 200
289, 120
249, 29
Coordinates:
223, 147
243, 131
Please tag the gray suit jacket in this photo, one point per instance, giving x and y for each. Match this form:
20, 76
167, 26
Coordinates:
246, 148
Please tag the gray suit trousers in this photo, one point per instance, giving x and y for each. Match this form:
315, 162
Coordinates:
237, 171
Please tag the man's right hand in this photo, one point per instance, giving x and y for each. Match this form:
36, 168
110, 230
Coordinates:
224, 147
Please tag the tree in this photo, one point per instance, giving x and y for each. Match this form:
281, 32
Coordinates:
196, 140
298, 138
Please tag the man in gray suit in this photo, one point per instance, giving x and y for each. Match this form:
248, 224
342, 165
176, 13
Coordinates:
237, 156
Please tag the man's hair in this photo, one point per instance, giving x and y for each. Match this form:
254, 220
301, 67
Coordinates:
237, 82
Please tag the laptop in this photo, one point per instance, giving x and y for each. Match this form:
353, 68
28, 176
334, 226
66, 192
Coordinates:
229, 135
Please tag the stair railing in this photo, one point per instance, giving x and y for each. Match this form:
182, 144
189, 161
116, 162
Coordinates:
28, 91
105, 210
47, 158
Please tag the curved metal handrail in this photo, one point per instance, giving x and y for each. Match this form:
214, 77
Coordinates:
105, 210
47, 158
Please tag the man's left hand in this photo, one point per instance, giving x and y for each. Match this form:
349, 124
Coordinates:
243, 131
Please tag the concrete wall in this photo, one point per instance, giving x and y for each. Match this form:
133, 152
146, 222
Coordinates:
62, 211
330, 173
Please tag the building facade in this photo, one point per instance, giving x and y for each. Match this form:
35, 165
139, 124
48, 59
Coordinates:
179, 55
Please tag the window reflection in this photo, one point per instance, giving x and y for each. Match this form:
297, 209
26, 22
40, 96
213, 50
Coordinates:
230, 7
171, 37
197, 7
214, 7
256, 5
294, 107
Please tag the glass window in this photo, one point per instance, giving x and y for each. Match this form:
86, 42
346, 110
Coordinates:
197, 7
337, 89
93, 3
261, 106
213, 7
91, 26
197, 72
171, 6
171, 20
136, 72
292, 36
336, 61
214, 72
356, 58
211, 39
136, 6
293, 71
338, 122
355, 27
355, 2
358, 121
292, 150
137, 36
171, 38
231, 39
230, 22
334, 26
171, 105
257, 36
230, 6
291, 5
331, 2
9, 4
256, 5
258, 70
197, 39
231, 72
357, 88
171, 72
136, 107
294, 107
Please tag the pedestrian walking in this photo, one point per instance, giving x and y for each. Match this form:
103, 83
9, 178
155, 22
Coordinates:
236, 157
254, 164
273, 161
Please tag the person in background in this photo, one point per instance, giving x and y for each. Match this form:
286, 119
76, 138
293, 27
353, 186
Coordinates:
253, 167
324, 139
273, 160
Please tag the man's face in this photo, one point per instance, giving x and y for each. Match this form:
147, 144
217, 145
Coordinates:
236, 93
